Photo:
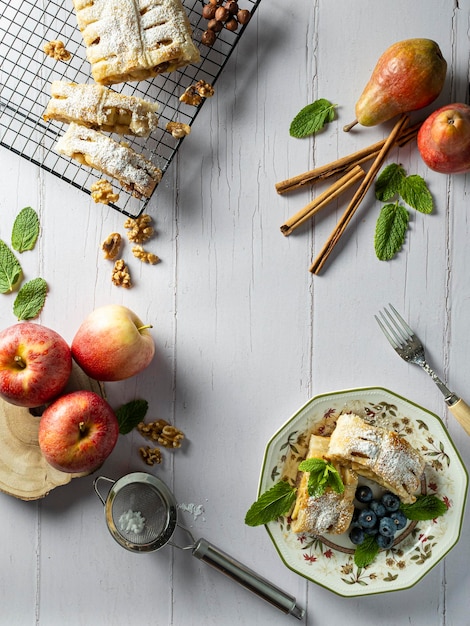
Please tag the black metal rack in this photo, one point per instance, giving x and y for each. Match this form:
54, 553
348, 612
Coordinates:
26, 73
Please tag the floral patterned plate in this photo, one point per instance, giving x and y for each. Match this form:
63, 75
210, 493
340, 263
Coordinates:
329, 560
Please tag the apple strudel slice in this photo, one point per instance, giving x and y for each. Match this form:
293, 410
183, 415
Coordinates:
331, 512
131, 40
379, 454
134, 172
100, 108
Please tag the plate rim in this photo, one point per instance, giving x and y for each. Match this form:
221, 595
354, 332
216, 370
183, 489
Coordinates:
356, 390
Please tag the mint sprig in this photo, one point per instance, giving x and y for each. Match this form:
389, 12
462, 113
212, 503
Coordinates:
25, 230
10, 269
392, 223
426, 507
366, 552
271, 504
30, 299
131, 414
312, 118
321, 475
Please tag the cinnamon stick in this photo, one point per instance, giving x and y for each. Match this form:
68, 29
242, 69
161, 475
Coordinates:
358, 197
348, 179
344, 163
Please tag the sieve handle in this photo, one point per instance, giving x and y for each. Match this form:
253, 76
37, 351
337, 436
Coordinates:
249, 579
95, 486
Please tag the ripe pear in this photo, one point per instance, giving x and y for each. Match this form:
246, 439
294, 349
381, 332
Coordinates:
408, 76
444, 139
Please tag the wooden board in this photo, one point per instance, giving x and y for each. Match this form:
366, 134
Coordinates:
24, 472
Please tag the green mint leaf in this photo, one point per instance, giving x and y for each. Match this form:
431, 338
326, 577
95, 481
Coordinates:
130, 414
312, 118
425, 508
25, 230
390, 231
30, 299
271, 504
389, 182
415, 192
322, 475
366, 552
10, 269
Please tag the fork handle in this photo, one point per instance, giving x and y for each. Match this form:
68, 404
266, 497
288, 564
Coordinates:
461, 411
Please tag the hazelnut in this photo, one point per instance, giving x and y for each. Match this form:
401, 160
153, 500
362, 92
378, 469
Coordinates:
222, 14
208, 11
232, 7
231, 24
243, 16
208, 37
215, 25
214, 2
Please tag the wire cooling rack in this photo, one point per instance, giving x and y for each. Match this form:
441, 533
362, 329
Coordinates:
26, 73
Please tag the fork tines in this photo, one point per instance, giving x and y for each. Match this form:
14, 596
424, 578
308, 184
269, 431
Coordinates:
394, 327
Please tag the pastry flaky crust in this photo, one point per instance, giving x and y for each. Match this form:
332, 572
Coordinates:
134, 173
129, 40
331, 512
379, 454
101, 108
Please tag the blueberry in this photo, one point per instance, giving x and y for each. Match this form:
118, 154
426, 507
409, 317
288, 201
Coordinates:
364, 494
384, 542
390, 501
356, 535
387, 527
367, 519
378, 508
399, 519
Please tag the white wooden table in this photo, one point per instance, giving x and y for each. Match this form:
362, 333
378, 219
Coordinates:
245, 333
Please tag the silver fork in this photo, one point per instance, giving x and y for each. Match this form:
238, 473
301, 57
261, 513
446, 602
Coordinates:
407, 345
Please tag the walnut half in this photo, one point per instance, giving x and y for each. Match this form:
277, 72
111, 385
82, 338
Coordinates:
111, 246
121, 276
139, 229
161, 432
56, 50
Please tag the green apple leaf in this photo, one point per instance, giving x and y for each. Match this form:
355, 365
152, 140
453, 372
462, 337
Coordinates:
390, 231
415, 192
30, 299
25, 230
312, 118
130, 414
271, 504
389, 182
10, 269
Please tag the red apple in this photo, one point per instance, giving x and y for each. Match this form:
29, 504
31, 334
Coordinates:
35, 364
113, 344
444, 139
78, 432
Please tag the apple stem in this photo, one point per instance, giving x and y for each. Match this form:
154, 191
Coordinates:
19, 362
82, 428
144, 327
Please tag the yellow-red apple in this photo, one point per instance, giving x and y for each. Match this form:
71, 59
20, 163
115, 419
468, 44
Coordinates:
444, 139
113, 343
35, 364
78, 432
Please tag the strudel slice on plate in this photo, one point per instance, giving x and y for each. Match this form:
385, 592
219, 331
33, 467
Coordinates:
101, 108
331, 512
134, 173
128, 40
379, 454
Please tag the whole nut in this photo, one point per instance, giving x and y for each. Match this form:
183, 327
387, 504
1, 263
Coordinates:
232, 7
208, 37
231, 24
222, 14
208, 11
243, 16
215, 25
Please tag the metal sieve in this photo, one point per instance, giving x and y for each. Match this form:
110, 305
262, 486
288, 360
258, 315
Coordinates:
142, 515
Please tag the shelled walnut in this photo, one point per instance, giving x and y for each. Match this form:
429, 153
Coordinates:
111, 246
121, 276
56, 50
194, 94
150, 455
102, 191
143, 255
161, 432
139, 228
178, 129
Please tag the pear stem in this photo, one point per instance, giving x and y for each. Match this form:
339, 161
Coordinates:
348, 127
